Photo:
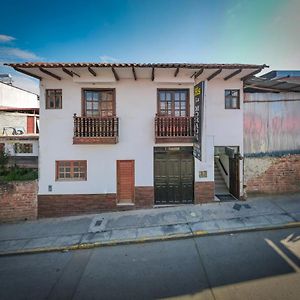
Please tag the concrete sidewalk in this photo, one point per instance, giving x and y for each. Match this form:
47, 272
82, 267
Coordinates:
149, 225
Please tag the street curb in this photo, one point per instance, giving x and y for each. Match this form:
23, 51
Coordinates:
199, 233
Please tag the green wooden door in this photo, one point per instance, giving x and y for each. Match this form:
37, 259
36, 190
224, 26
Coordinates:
174, 176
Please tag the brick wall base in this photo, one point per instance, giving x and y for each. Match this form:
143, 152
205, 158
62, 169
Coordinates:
18, 201
204, 192
270, 175
144, 196
70, 205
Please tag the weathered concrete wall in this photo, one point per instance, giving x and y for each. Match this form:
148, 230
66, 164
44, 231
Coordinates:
272, 174
18, 201
12, 119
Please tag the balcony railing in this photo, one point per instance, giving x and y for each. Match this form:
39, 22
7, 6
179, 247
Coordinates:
174, 129
95, 130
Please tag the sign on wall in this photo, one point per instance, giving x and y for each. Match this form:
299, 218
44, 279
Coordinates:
198, 118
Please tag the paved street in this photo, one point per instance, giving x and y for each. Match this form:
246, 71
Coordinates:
253, 265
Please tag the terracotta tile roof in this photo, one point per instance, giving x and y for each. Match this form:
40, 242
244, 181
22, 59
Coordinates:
139, 65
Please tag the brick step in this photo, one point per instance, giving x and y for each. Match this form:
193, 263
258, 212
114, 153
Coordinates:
220, 185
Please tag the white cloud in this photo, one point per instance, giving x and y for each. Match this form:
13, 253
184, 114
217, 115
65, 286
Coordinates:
6, 38
106, 58
7, 53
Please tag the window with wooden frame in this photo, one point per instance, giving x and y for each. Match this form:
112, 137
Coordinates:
53, 99
173, 103
232, 99
98, 103
71, 170
23, 148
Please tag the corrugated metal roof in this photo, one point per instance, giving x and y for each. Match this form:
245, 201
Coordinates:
277, 74
256, 84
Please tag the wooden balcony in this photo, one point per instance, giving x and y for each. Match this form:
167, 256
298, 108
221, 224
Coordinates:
95, 130
174, 129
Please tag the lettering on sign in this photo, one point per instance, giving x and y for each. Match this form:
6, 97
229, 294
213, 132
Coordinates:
198, 117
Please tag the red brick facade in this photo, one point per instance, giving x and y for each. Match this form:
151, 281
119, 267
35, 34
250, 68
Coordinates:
144, 196
283, 176
18, 201
204, 192
69, 205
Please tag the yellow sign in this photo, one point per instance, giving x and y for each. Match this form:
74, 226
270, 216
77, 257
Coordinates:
197, 91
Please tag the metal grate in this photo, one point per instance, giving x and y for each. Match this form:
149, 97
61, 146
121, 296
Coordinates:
226, 197
98, 222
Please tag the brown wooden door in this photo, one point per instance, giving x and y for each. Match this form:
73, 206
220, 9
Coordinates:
234, 176
30, 124
125, 181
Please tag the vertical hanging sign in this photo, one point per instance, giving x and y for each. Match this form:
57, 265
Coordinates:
198, 116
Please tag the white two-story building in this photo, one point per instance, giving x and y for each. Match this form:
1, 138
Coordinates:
117, 136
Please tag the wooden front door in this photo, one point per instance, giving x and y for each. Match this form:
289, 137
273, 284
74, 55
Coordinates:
30, 124
234, 176
125, 181
174, 176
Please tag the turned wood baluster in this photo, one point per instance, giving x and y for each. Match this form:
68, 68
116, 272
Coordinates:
74, 125
110, 127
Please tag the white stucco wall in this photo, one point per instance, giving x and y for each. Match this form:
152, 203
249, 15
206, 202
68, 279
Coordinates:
222, 127
11, 96
226, 125
136, 106
136, 103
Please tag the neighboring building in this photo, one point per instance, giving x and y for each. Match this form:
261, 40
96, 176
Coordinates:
121, 136
272, 133
19, 122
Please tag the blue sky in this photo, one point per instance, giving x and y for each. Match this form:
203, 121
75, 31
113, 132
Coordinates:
224, 31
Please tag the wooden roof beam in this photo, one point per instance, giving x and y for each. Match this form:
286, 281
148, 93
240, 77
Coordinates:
75, 74
152, 75
67, 72
133, 72
50, 73
251, 74
70, 73
92, 71
28, 73
193, 74
197, 74
277, 83
176, 72
115, 74
213, 75
233, 74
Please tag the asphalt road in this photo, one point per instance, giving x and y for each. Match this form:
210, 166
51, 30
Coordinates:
256, 265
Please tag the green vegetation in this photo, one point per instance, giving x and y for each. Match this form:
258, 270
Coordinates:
14, 173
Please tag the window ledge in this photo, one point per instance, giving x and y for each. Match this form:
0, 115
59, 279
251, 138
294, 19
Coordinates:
95, 140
